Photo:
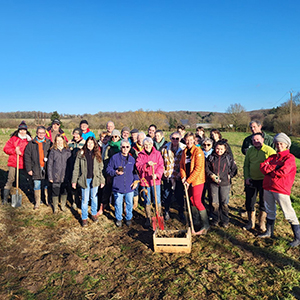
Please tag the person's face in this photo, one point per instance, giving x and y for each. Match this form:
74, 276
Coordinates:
125, 148
255, 128
158, 136
22, 132
181, 131
134, 136
84, 127
115, 138
60, 142
110, 127
140, 140
41, 134
220, 149
200, 132
90, 144
148, 146
257, 141
76, 136
55, 127
207, 146
215, 136
280, 146
175, 140
125, 135
190, 141
198, 140
151, 131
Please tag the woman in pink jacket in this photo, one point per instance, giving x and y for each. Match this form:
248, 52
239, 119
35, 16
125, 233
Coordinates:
147, 159
280, 170
15, 146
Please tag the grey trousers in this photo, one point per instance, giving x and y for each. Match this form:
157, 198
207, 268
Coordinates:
284, 202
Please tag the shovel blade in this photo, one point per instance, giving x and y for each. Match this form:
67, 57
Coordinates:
161, 223
16, 200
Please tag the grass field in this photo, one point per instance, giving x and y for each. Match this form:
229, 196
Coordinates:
46, 256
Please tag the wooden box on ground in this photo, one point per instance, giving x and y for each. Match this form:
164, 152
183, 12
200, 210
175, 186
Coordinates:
172, 241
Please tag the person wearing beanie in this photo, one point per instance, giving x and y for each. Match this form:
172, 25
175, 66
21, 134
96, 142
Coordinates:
53, 130
280, 170
15, 148
86, 132
125, 132
134, 134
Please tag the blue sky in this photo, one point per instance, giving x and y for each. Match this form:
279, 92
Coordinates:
89, 56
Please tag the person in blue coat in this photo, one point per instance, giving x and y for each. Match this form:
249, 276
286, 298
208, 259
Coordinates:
86, 132
121, 168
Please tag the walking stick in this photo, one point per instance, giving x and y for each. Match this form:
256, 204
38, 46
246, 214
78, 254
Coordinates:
189, 208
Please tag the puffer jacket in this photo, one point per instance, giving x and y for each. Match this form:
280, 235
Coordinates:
145, 171
80, 171
10, 149
197, 171
57, 164
32, 158
279, 170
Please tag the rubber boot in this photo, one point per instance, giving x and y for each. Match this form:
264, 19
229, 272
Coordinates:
251, 221
296, 231
262, 221
148, 216
55, 204
37, 198
205, 222
63, 202
270, 229
46, 197
196, 217
5, 196
135, 202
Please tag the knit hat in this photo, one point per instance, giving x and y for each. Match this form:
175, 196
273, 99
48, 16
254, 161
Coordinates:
56, 121
78, 130
134, 131
84, 122
282, 138
125, 129
22, 126
116, 132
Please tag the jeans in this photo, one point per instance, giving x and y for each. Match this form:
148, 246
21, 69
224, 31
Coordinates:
251, 194
119, 205
39, 183
86, 193
168, 192
150, 195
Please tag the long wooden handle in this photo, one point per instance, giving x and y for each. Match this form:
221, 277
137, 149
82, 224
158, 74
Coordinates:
17, 183
189, 208
154, 187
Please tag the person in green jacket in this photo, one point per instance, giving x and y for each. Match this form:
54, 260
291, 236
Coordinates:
254, 178
255, 127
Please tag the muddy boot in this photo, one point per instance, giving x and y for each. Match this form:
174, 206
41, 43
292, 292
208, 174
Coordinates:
296, 231
55, 204
5, 196
262, 221
205, 222
63, 202
148, 216
46, 197
37, 198
135, 202
251, 221
270, 229
196, 218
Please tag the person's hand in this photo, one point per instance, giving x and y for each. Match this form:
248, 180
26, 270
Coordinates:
18, 152
119, 172
183, 180
186, 184
154, 176
133, 185
151, 163
51, 181
102, 185
247, 181
74, 185
30, 173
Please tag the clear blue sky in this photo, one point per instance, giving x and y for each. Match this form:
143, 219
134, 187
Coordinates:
89, 56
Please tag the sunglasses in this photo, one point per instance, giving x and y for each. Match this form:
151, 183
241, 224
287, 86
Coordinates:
206, 145
174, 138
115, 136
127, 147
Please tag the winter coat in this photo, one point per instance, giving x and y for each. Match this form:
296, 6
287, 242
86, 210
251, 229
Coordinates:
57, 164
32, 158
145, 171
80, 171
254, 157
223, 166
197, 170
49, 134
122, 183
247, 143
279, 170
88, 133
10, 149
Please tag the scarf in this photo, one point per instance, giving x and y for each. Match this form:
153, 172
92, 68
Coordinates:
27, 137
115, 146
160, 144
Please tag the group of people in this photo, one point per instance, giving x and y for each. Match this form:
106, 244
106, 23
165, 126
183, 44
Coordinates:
122, 167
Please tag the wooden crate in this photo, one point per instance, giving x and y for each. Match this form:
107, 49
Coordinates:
173, 244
